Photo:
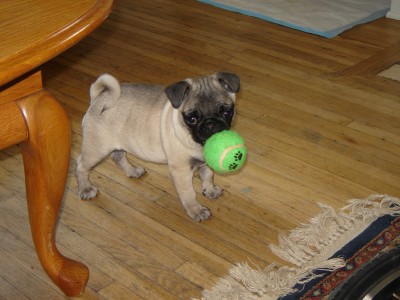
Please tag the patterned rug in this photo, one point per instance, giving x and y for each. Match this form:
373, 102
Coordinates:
327, 252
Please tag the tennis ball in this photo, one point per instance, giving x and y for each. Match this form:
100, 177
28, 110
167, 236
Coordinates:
225, 152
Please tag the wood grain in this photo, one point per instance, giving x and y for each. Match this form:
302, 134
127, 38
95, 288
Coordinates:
20, 87
32, 33
46, 159
12, 125
47, 28
319, 124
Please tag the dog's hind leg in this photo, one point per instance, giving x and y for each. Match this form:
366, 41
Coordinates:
120, 159
84, 164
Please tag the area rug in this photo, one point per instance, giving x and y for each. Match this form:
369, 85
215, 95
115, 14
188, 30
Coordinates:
321, 17
324, 253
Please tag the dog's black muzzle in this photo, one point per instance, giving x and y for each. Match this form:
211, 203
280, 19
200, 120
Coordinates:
209, 127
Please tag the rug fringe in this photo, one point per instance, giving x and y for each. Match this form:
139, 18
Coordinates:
317, 241
246, 282
309, 247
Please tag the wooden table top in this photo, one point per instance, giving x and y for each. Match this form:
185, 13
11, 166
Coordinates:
33, 32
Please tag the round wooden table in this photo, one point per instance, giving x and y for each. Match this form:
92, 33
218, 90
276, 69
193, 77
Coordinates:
31, 33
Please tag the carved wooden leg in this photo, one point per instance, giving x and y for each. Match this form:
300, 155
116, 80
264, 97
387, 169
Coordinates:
46, 155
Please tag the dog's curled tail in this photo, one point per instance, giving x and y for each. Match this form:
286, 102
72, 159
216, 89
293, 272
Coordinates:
107, 85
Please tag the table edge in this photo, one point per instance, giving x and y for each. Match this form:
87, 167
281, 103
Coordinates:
23, 61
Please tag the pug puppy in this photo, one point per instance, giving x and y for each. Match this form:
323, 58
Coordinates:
161, 125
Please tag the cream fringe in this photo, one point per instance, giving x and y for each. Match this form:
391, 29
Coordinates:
308, 247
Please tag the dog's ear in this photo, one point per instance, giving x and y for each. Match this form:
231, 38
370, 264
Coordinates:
229, 81
177, 92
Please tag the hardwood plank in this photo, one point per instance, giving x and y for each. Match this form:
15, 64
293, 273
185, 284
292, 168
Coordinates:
9, 292
319, 124
197, 274
14, 272
377, 62
117, 291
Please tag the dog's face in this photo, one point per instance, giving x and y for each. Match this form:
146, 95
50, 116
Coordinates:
206, 104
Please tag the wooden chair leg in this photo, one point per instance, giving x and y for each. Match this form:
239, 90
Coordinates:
46, 155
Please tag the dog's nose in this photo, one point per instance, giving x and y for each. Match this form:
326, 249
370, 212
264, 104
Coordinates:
213, 126
210, 127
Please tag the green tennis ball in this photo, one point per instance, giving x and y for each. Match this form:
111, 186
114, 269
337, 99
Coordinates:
225, 152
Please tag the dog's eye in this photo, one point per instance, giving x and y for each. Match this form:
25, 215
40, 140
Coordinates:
192, 120
226, 112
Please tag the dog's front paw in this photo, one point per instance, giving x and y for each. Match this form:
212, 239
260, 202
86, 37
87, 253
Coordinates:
136, 172
213, 193
88, 193
200, 214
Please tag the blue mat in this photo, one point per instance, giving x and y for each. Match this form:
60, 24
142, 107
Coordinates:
326, 18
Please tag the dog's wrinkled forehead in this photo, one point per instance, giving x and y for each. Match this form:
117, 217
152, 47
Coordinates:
204, 91
207, 91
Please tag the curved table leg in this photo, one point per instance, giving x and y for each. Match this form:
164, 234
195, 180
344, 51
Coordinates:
46, 155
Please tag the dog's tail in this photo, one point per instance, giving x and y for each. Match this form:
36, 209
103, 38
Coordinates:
104, 92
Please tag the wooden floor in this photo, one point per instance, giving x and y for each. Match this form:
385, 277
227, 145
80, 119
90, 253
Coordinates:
320, 126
